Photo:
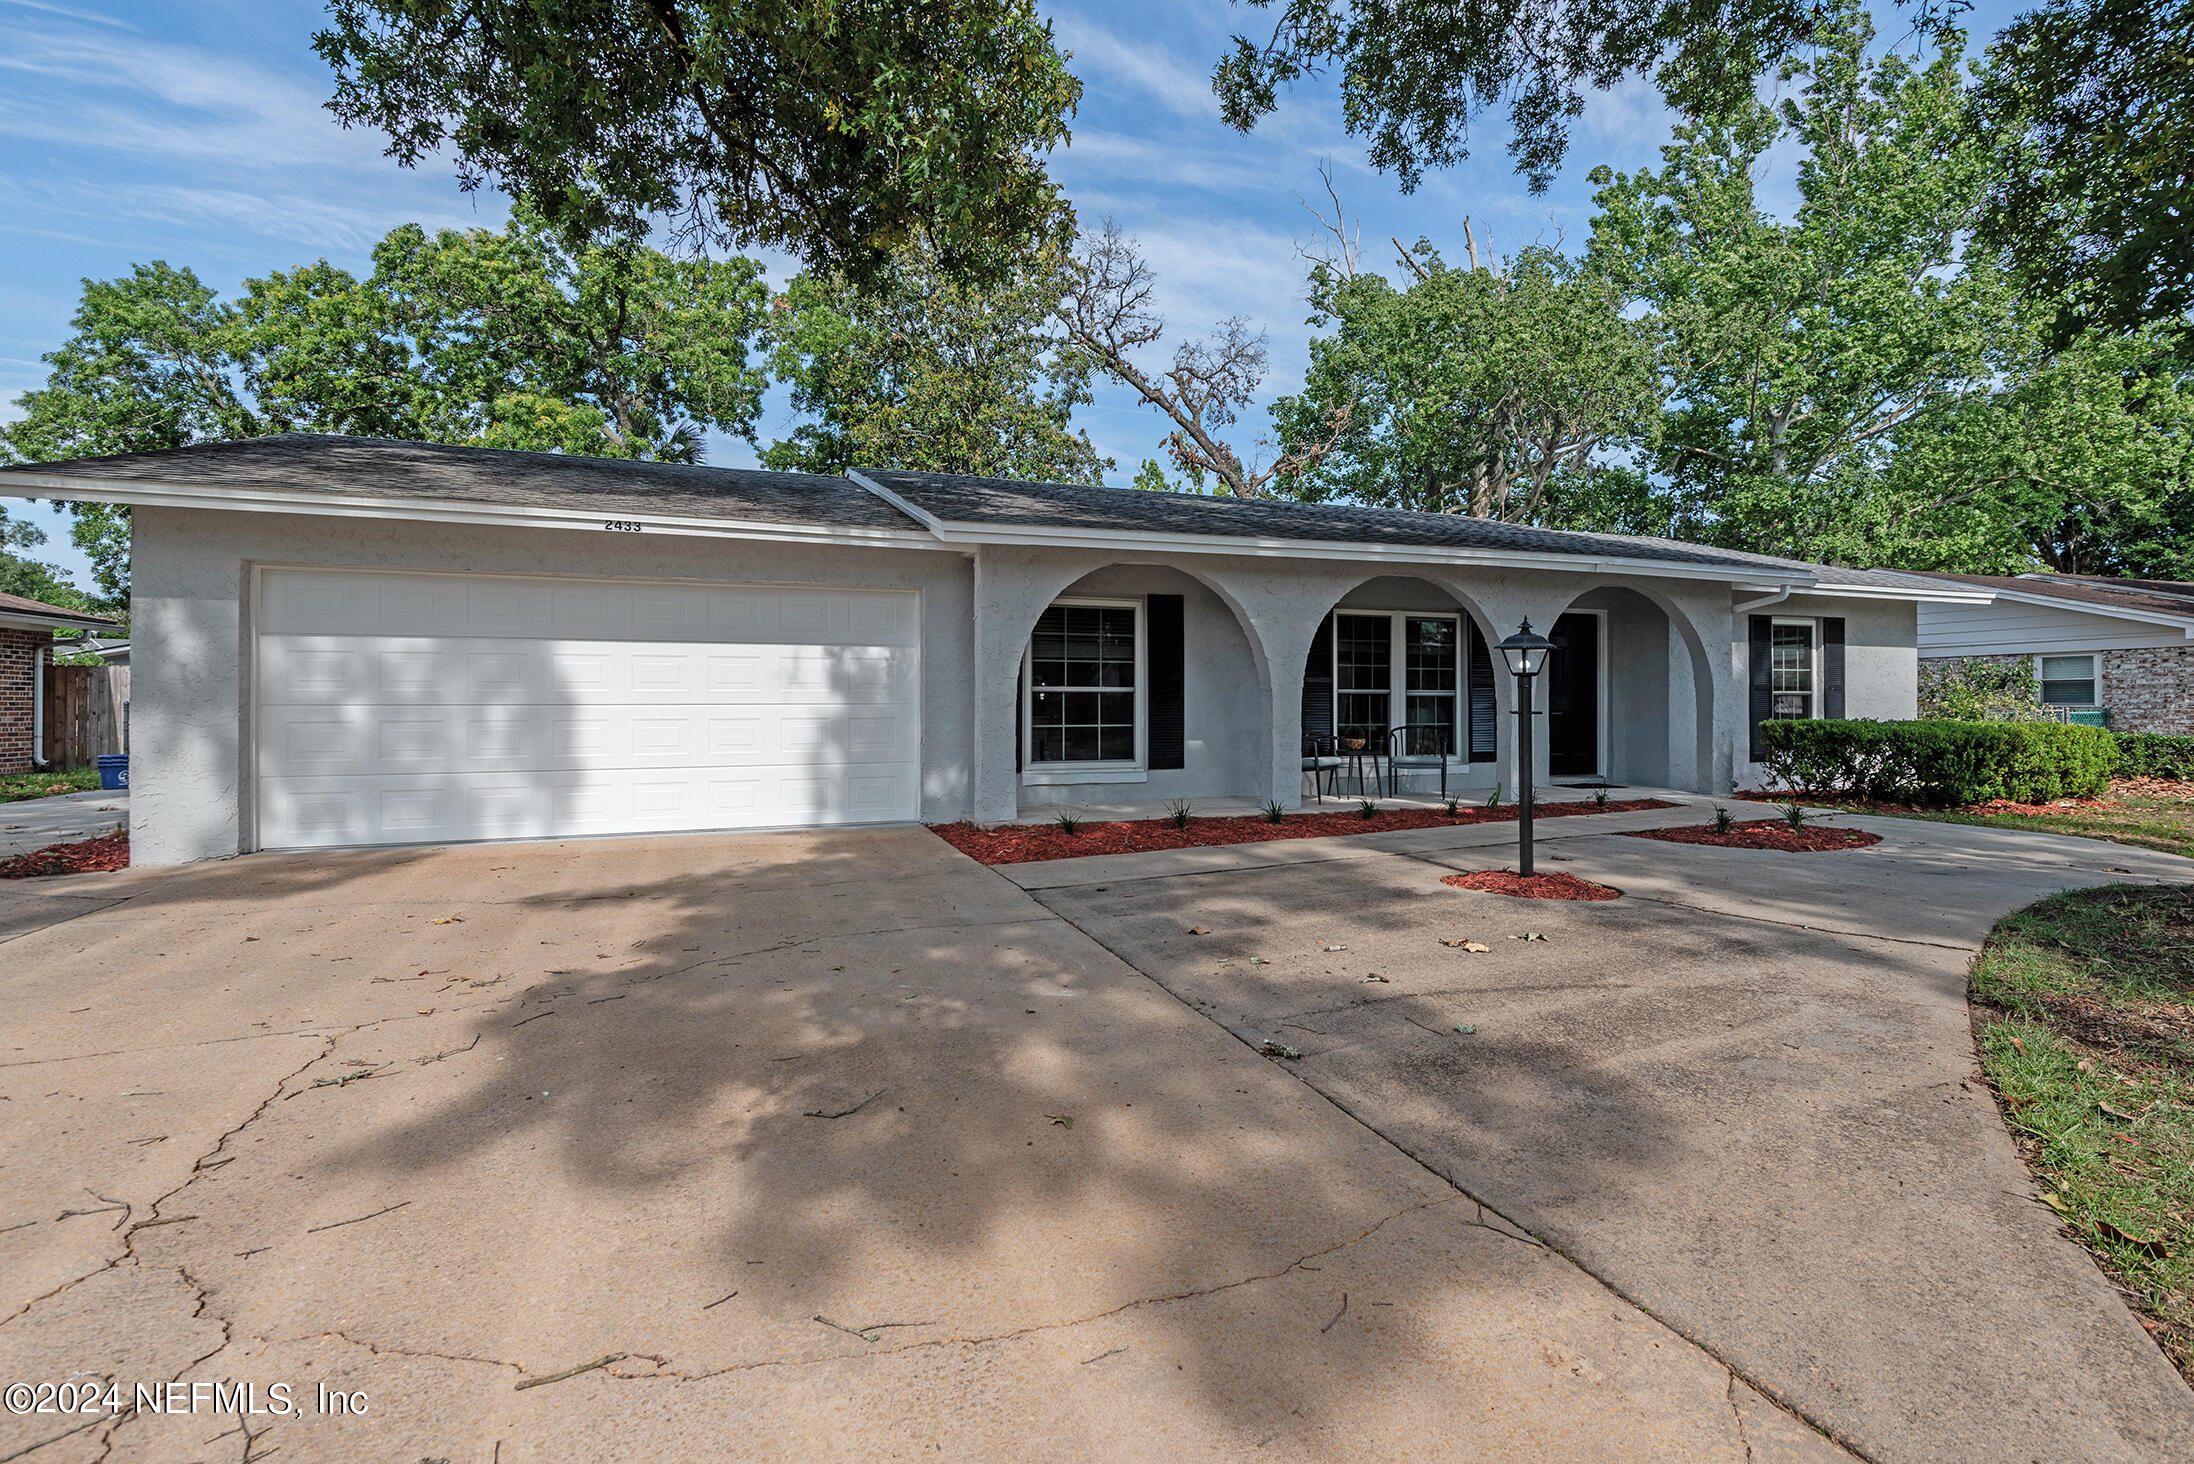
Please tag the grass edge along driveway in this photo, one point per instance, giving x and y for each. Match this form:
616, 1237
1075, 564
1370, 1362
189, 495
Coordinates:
2083, 1014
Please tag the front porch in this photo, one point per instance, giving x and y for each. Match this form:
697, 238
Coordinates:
1122, 690
1125, 810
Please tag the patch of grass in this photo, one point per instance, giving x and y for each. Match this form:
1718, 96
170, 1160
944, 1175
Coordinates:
2163, 823
17, 786
2083, 1009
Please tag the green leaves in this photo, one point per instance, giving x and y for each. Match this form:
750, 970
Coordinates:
924, 371
843, 132
1484, 391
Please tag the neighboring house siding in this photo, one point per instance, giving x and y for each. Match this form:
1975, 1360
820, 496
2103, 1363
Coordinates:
2009, 628
18, 692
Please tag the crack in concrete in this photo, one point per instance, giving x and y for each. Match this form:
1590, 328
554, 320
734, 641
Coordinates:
1194, 1293
1518, 1230
388, 1349
1738, 1414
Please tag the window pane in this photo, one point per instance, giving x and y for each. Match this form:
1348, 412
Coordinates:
1429, 713
2068, 681
1791, 663
1430, 648
1363, 648
2068, 668
1364, 714
1047, 744
1082, 685
1117, 744
1047, 709
1081, 745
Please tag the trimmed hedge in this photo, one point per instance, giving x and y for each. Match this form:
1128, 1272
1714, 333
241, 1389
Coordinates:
1941, 762
2154, 755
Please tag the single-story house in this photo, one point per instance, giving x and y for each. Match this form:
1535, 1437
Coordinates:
359, 642
2119, 652
26, 640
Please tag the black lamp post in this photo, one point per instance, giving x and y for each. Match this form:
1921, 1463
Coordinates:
1526, 657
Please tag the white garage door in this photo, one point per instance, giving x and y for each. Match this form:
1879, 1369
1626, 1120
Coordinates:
423, 708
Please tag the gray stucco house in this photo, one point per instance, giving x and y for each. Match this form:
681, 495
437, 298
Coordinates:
358, 642
2119, 652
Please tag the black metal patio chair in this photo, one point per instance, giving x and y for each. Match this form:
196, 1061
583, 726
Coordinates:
1322, 762
1417, 745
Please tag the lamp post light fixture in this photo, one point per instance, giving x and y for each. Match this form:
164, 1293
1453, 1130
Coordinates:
1526, 655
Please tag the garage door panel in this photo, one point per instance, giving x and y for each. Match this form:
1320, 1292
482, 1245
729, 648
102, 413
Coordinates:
419, 708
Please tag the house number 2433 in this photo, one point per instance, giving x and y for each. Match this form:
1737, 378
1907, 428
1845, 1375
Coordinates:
622, 526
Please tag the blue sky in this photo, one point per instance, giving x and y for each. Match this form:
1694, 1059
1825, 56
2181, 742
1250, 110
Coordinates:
194, 133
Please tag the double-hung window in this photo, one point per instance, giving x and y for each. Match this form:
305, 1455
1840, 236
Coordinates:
2067, 681
1794, 676
1084, 680
1397, 669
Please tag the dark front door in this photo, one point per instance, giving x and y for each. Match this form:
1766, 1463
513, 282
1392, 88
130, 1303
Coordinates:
1573, 698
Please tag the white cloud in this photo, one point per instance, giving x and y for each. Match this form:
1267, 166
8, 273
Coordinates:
1142, 65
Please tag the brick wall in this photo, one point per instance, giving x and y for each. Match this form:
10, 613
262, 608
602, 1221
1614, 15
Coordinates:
18, 662
2150, 690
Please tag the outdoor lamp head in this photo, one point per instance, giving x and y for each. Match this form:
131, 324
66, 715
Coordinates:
1525, 652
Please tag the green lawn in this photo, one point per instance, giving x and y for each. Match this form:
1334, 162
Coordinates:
15, 786
2150, 822
2083, 1009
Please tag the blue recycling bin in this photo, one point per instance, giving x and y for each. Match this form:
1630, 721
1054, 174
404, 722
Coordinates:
114, 771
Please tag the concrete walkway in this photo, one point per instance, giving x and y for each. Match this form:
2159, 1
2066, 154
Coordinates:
1744, 1095
35, 823
811, 1147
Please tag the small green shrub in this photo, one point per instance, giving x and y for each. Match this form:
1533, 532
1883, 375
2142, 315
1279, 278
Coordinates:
1794, 815
1454, 806
1722, 819
1940, 762
1068, 824
1178, 813
1274, 813
1367, 808
1977, 689
1599, 798
1493, 800
2154, 755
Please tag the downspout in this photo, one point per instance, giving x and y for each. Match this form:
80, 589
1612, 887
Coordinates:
1763, 602
38, 710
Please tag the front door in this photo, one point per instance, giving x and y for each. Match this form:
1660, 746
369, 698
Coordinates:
1573, 698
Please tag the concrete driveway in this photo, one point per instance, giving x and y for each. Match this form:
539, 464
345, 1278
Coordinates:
841, 1146
1744, 1095
836, 1146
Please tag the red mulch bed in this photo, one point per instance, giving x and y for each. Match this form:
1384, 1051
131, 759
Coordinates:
1770, 833
1027, 844
1536, 887
91, 856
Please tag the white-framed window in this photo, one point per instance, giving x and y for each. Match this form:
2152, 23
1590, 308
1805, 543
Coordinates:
1794, 670
1083, 686
2068, 681
1393, 668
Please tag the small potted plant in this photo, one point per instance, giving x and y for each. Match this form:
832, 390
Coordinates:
1352, 739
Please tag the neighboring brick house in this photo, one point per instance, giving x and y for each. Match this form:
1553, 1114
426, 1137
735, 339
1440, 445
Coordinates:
26, 636
2121, 647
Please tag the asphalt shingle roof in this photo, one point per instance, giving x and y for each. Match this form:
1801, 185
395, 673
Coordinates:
378, 468
1007, 502
21, 605
2156, 597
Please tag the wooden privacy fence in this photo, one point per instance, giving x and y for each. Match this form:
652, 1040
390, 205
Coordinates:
87, 713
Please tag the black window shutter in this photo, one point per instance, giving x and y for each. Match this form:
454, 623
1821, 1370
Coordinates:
1164, 658
1832, 667
1020, 698
1318, 683
1484, 709
1763, 680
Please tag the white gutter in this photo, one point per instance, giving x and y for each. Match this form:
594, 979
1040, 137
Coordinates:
424, 510
1762, 603
1147, 541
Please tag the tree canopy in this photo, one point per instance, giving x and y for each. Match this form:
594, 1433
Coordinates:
2091, 104
1415, 74
498, 338
843, 132
927, 372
